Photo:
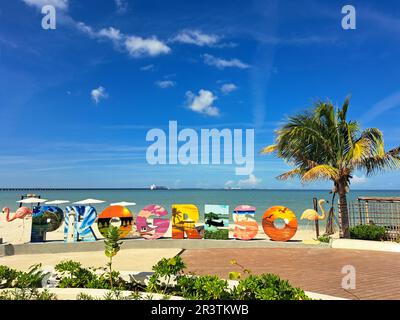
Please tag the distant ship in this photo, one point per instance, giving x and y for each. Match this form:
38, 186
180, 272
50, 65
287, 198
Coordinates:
154, 187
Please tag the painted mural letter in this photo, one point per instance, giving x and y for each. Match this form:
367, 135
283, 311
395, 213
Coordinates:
279, 213
118, 216
155, 228
184, 218
246, 227
84, 217
45, 219
216, 218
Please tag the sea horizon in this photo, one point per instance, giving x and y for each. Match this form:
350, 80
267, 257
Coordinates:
168, 188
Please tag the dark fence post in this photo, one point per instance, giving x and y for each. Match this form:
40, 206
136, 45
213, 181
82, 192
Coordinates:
315, 200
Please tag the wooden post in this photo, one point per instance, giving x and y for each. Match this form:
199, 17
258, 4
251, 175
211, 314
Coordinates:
315, 201
367, 212
71, 226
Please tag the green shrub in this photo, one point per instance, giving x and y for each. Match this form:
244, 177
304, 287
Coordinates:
7, 277
169, 267
165, 268
324, 238
202, 288
73, 275
111, 295
112, 247
27, 294
266, 287
216, 235
11, 278
368, 232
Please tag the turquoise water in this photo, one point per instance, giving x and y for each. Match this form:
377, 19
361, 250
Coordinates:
296, 200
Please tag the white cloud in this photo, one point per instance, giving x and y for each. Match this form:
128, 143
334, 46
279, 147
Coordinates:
136, 46
85, 29
250, 182
223, 63
197, 38
202, 103
147, 67
99, 94
58, 4
164, 84
122, 6
110, 33
228, 88
139, 47
359, 180
390, 102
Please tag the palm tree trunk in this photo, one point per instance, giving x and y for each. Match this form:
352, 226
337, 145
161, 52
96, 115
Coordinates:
344, 211
330, 227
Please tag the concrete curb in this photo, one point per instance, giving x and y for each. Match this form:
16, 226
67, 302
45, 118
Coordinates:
383, 246
61, 247
6, 250
71, 293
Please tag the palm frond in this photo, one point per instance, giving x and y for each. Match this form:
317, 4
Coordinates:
376, 138
359, 151
322, 171
290, 174
269, 149
389, 161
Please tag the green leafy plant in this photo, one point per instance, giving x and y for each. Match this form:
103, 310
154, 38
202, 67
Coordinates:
11, 278
27, 294
111, 295
218, 234
7, 277
368, 232
234, 275
112, 247
324, 238
73, 275
266, 287
165, 268
202, 288
84, 296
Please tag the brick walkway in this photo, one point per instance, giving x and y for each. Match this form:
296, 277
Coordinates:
316, 270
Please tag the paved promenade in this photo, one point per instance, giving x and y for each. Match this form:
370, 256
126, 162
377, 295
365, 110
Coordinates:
316, 270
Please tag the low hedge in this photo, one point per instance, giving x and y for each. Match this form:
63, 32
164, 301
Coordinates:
168, 279
368, 232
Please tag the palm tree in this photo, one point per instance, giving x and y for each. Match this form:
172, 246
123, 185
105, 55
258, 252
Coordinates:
322, 144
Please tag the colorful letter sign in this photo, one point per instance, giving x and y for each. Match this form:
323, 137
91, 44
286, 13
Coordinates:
246, 227
151, 222
84, 217
184, 218
159, 226
216, 222
45, 219
276, 234
118, 215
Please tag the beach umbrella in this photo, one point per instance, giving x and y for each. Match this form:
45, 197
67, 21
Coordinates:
124, 204
89, 201
56, 202
32, 200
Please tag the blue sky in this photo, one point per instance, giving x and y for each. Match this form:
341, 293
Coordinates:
76, 102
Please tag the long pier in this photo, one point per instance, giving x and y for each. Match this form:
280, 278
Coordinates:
67, 189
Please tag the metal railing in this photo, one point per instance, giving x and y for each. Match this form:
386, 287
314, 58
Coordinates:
383, 212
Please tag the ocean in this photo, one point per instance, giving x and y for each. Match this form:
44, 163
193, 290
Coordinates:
296, 200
